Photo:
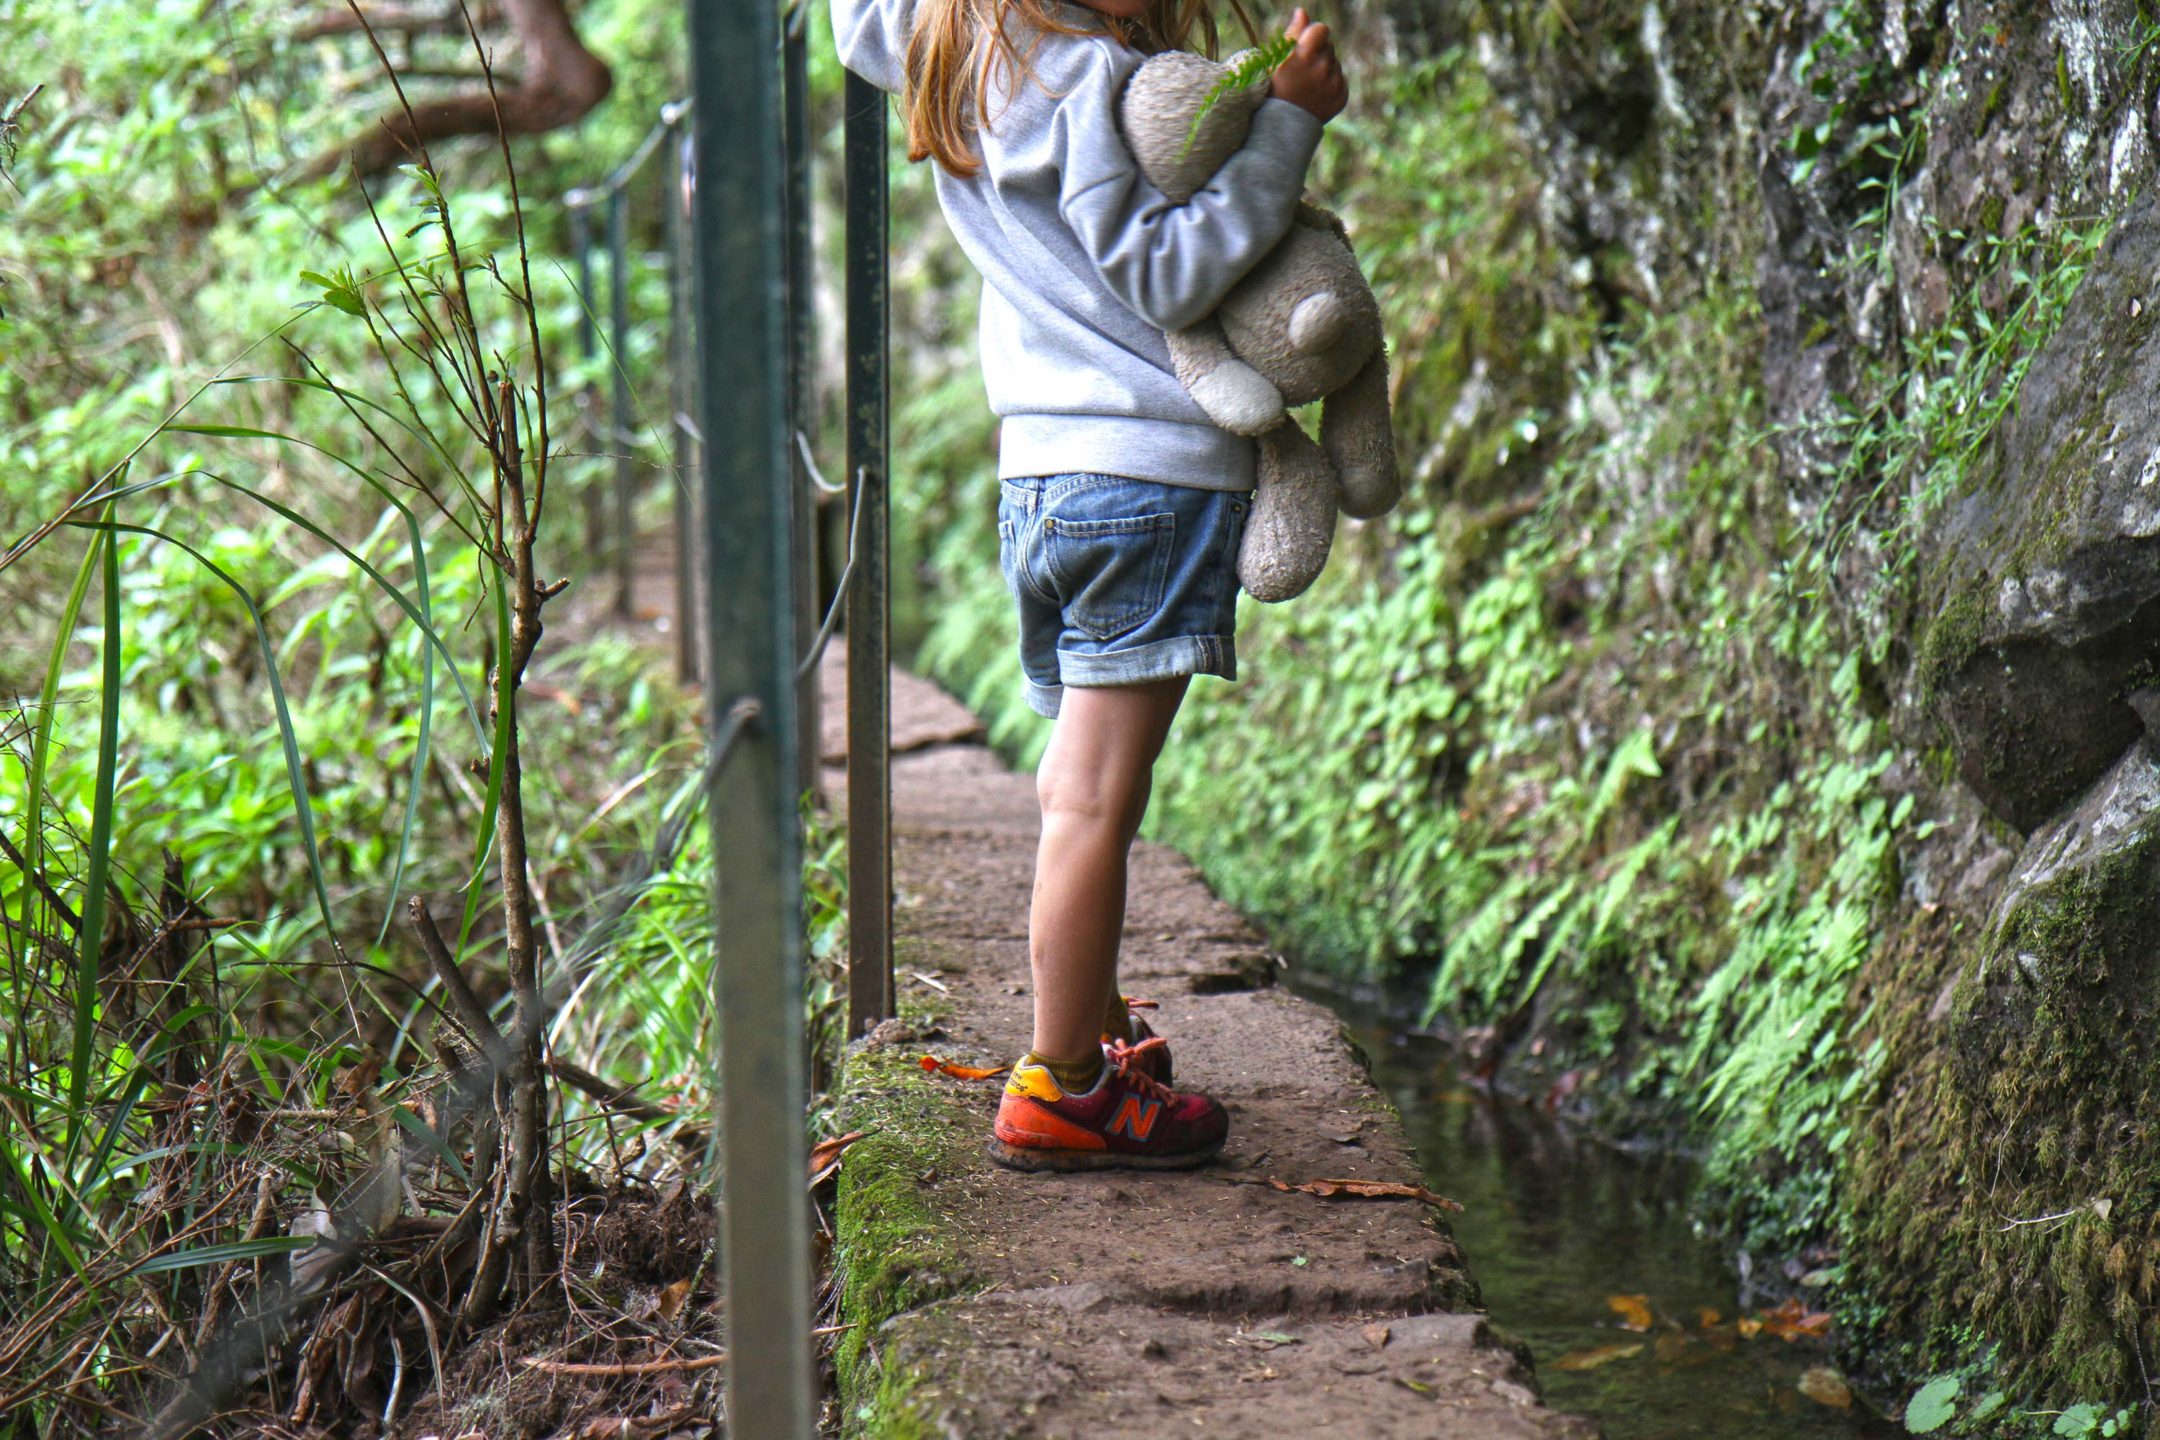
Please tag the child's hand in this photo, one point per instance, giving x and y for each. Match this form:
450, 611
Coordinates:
1312, 77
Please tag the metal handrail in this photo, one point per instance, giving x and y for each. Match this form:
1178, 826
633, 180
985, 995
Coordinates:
726, 258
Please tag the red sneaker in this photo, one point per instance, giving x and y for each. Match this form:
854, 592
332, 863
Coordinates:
1125, 1121
1140, 1047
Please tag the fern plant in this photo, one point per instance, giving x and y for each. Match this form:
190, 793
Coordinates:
1261, 60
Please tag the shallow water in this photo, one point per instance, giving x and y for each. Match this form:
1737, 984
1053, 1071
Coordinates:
1556, 1225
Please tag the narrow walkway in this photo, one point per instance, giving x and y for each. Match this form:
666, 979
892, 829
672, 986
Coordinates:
1205, 1303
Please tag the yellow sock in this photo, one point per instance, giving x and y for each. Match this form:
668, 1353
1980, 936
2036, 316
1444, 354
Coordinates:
1117, 1021
1074, 1077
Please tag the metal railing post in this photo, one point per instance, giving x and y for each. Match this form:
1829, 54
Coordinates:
620, 429
751, 656
802, 367
676, 204
581, 243
869, 616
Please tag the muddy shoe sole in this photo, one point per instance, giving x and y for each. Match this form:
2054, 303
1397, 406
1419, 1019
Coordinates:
1014, 1157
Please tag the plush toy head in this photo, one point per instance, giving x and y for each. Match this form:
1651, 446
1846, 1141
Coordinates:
1162, 100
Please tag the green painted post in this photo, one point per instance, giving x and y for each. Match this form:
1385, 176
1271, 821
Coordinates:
802, 367
869, 610
620, 428
751, 656
580, 204
675, 181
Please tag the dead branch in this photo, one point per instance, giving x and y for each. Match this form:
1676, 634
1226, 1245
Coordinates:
634, 1367
383, 20
626, 1101
560, 82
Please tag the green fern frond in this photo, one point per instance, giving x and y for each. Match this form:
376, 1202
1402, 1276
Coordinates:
1257, 62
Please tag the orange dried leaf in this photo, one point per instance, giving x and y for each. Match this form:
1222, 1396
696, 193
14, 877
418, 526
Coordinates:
1792, 1320
1749, 1329
825, 1155
936, 1066
1600, 1355
1633, 1310
1370, 1190
1707, 1317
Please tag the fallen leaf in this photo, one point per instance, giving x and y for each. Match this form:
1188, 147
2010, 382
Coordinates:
1600, 1355
1707, 1317
1633, 1310
825, 1156
1418, 1385
1792, 1320
672, 1298
1825, 1386
1376, 1336
1366, 1190
1749, 1329
1271, 1339
936, 1066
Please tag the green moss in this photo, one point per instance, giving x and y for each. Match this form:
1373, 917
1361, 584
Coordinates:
2007, 1186
1998, 95
1992, 209
894, 1249
1953, 638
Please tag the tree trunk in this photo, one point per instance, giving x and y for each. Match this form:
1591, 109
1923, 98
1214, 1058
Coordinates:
560, 81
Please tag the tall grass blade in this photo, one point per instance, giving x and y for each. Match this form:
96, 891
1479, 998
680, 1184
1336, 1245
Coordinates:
91, 942
296, 775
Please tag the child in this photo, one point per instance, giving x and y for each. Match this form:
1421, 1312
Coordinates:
1122, 505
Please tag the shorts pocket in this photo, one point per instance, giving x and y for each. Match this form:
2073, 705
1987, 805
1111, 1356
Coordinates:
1110, 574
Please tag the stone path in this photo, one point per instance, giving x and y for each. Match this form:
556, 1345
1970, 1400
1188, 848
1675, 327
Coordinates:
1204, 1303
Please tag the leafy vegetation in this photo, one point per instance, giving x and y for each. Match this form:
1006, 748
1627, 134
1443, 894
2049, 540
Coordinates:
350, 928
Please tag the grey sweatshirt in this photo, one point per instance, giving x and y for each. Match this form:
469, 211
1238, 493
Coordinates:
1085, 264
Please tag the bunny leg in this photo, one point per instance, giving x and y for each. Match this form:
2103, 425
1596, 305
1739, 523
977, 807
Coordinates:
1292, 525
1359, 433
1235, 396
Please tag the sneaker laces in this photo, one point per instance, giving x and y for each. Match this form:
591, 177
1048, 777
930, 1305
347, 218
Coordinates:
1122, 1055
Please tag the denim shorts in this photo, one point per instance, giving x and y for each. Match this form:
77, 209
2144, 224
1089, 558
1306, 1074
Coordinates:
1119, 581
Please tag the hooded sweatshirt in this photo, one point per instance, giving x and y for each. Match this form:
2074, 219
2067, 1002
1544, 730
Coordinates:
1084, 263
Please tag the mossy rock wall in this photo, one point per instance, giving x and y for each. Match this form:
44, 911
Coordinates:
1631, 746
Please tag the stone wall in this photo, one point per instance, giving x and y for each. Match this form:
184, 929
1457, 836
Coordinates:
1864, 164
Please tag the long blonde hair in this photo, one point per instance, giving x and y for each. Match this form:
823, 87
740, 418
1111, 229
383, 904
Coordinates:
956, 42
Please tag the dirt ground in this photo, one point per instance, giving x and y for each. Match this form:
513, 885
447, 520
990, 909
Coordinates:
1127, 1303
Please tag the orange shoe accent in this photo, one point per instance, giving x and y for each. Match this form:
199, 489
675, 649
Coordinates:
1026, 1125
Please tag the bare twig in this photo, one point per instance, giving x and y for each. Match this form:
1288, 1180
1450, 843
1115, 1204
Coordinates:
634, 1367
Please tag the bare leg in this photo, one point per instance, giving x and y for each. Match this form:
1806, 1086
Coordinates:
1093, 783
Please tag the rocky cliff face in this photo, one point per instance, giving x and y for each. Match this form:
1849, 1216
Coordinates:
1885, 176
1745, 723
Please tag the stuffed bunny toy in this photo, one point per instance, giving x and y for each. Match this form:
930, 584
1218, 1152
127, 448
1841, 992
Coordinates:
1300, 326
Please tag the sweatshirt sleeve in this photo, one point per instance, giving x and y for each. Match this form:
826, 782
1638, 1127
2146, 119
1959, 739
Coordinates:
1173, 263
872, 38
